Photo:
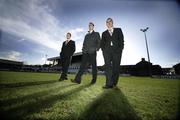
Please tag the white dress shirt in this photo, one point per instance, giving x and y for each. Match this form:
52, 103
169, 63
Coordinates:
111, 30
67, 41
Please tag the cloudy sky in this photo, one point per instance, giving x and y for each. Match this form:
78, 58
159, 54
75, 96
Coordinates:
30, 29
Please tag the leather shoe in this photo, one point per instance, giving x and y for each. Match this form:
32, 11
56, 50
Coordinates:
74, 81
107, 87
93, 82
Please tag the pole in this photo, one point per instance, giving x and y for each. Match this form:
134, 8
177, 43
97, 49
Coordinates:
147, 49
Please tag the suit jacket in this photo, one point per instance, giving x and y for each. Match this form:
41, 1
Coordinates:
91, 42
117, 39
68, 49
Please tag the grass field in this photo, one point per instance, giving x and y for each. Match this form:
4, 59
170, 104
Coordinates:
40, 96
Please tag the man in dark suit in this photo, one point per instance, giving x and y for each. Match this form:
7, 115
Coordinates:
67, 50
112, 44
90, 46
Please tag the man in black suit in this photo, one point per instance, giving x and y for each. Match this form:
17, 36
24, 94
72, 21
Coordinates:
91, 44
67, 50
112, 44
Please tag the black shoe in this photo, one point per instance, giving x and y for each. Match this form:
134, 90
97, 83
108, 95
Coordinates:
61, 79
74, 81
114, 84
116, 88
107, 87
93, 82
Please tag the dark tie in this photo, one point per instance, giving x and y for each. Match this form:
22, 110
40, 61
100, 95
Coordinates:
110, 31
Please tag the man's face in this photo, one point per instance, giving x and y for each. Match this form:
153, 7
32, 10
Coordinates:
109, 23
68, 36
91, 27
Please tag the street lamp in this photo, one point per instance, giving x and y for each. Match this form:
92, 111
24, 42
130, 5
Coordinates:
144, 31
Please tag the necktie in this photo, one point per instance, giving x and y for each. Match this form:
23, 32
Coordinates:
110, 31
66, 42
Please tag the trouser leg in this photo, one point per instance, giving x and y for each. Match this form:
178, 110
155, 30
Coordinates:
82, 67
94, 66
108, 68
116, 67
65, 66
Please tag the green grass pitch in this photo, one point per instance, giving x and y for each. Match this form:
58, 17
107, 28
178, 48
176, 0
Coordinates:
39, 96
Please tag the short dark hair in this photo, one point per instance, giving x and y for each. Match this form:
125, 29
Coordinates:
69, 33
109, 19
91, 23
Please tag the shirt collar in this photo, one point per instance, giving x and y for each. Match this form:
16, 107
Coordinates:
90, 31
111, 29
68, 40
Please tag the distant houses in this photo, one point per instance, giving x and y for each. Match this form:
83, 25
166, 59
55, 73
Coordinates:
74, 66
177, 69
10, 65
139, 69
142, 68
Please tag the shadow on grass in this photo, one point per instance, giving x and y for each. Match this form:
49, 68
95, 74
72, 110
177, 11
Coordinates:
29, 108
36, 95
111, 105
23, 84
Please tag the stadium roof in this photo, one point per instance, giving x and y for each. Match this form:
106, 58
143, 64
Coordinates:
4, 61
58, 57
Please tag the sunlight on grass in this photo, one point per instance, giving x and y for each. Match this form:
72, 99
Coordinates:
42, 96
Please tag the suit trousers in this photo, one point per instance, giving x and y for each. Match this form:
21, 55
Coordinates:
87, 58
65, 65
112, 61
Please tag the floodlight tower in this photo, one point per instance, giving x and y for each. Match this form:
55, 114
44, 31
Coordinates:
144, 31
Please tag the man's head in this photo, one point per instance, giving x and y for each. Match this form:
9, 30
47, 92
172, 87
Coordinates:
91, 26
109, 23
68, 35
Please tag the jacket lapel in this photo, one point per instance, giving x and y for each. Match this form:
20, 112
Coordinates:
67, 43
112, 33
